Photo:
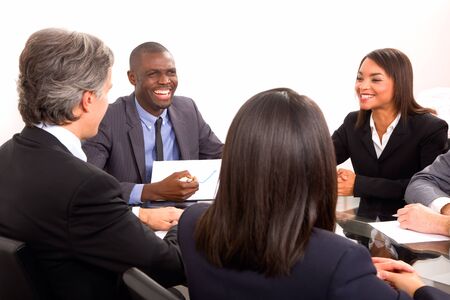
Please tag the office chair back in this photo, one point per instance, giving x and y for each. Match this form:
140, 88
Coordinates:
16, 269
142, 287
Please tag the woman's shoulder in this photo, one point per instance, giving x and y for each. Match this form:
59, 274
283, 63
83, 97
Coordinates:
191, 215
329, 240
351, 117
427, 119
195, 210
329, 250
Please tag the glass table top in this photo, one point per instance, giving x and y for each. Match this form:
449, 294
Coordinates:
430, 259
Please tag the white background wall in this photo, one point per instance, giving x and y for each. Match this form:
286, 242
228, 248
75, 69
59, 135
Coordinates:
229, 50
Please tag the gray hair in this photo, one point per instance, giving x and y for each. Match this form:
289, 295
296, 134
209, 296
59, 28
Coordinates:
55, 68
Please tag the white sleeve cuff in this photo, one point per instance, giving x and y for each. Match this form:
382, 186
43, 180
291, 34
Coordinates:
135, 210
439, 203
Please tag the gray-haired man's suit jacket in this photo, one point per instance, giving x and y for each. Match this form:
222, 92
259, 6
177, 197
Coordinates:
118, 148
431, 183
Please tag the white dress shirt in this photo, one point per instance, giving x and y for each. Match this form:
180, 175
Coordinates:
379, 146
67, 138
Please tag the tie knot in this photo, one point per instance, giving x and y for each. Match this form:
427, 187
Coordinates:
158, 122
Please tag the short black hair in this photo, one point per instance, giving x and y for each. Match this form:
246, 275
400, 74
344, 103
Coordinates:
148, 47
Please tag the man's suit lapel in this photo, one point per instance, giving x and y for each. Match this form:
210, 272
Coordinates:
181, 128
136, 135
398, 137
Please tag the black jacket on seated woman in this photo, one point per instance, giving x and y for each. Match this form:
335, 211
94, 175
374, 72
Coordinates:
391, 137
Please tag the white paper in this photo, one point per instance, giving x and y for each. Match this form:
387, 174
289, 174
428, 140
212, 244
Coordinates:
404, 236
436, 269
206, 170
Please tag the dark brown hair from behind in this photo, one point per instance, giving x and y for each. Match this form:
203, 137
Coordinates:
398, 67
277, 182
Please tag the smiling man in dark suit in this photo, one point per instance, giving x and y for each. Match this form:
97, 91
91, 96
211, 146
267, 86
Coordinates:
69, 212
125, 145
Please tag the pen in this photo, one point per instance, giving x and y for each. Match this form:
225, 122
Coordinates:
395, 215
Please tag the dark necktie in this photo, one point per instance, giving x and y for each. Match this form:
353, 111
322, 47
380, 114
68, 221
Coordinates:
158, 140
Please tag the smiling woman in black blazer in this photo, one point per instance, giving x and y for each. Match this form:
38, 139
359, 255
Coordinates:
391, 137
269, 233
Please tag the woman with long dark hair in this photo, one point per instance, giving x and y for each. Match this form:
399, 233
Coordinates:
391, 137
269, 232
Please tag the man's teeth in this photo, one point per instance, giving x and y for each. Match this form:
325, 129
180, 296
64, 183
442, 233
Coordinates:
162, 92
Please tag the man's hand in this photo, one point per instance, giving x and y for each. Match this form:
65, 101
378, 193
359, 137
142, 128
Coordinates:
160, 218
423, 219
346, 182
171, 187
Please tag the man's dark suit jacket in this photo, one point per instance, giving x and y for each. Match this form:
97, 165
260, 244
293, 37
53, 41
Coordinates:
118, 148
71, 215
411, 147
332, 268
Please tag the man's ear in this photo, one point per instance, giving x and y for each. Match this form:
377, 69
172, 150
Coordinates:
131, 77
87, 100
